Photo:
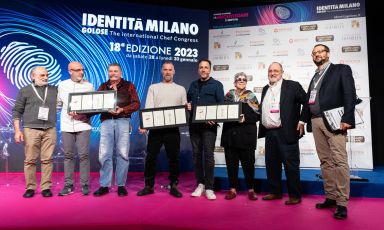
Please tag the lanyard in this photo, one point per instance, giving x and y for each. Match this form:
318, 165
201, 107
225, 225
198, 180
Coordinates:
276, 93
317, 82
45, 94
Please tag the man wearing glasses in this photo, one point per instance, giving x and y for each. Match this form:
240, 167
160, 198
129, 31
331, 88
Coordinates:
331, 87
75, 130
281, 102
35, 107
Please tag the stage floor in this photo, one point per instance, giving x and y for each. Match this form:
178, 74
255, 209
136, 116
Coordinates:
162, 211
311, 183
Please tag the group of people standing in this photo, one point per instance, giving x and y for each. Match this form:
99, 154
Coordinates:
283, 111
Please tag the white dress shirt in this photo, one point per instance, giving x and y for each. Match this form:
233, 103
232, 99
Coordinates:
271, 120
67, 123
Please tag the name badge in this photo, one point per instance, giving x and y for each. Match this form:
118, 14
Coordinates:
312, 97
275, 108
43, 113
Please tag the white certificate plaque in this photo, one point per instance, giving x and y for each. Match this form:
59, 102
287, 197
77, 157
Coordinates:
92, 102
169, 117
158, 118
211, 112
181, 116
97, 102
200, 113
109, 101
75, 103
86, 102
147, 119
222, 112
164, 117
219, 112
233, 112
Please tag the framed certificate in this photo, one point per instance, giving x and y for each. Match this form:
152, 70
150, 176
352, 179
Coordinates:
218, 112
92, 102
164, 117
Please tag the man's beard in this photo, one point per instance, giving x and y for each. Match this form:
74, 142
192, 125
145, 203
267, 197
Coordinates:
319, 63
40, 82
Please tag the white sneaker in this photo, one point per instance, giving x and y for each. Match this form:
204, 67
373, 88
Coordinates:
210, 194
199, 190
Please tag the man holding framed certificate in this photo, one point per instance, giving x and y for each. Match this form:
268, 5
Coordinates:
114, 132
75, 130
204, 91
164, 94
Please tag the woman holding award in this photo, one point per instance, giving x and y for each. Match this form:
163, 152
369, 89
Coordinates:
239, 138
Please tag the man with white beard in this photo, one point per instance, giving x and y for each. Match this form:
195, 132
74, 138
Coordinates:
36, 107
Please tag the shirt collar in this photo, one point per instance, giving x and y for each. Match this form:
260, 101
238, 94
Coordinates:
277, 84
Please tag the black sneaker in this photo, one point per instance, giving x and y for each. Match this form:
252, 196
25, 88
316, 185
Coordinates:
85, 190
122, 191
101, 191
174, 192
341, 213
146, 191
29, 193
67, 190
46, 193
328, 203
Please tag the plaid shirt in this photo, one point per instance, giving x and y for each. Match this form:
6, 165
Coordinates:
126, 98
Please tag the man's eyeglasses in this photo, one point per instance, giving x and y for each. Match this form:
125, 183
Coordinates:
77, 70
241, 79
318, 52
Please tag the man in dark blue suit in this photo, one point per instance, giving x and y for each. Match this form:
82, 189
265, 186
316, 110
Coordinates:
331, 87
281, 102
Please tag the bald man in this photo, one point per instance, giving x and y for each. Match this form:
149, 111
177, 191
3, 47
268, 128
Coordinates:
75, 130
35, 106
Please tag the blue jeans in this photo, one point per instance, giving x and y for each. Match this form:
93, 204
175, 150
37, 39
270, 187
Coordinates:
114, 135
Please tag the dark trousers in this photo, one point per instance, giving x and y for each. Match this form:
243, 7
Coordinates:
203, 138
170, 138
81, 140
247, 159
277, 152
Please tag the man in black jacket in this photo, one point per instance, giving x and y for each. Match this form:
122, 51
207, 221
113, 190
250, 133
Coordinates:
332, 87
281, 102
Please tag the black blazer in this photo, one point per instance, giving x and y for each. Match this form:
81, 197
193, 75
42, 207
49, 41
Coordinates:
241, 135
337, 89
292, 96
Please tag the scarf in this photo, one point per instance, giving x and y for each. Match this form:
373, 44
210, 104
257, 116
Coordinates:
246, 96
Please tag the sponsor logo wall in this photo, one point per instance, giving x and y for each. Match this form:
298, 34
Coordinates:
249, 39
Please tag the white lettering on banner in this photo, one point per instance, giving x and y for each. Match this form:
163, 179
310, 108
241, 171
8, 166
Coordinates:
137, 24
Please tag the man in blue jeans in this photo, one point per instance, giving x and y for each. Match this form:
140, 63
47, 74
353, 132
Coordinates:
114, 132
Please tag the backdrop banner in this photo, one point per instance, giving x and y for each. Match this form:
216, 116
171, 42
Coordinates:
250, 39
96, 33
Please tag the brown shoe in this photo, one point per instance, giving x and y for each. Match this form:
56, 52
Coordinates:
252, 195
230, 195
293, 200
272, 197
